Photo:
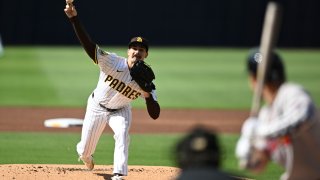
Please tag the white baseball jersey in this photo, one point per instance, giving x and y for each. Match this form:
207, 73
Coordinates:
115, 90
290, 128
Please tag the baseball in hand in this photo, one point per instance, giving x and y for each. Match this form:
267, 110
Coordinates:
69, 1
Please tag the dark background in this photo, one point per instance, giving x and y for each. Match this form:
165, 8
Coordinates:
165, 22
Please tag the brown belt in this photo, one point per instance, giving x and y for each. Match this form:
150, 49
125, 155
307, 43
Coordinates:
108, 109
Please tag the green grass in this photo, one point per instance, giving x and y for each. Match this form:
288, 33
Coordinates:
212, 78
185, 77
151, 149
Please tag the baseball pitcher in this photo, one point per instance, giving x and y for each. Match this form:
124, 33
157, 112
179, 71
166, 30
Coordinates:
287, 129
121, 81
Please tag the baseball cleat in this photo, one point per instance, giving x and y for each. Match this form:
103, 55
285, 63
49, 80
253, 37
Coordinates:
117, 177
88, 162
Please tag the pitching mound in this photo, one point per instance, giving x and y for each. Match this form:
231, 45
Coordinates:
78, 172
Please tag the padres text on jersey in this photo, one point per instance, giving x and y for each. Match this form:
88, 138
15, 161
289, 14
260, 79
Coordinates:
122, 88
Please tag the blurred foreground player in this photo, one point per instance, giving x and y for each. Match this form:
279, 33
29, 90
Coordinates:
198, 156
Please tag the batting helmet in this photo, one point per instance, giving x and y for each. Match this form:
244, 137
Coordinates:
275, 71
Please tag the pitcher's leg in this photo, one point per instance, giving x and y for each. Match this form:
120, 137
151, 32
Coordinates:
120, 124
93, 126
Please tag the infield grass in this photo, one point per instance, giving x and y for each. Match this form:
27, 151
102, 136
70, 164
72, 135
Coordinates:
185, 77
149, 149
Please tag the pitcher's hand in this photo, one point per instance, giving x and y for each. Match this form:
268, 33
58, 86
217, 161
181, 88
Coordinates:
70, 10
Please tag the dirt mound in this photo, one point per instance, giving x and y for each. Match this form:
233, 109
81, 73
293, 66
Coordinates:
79, 172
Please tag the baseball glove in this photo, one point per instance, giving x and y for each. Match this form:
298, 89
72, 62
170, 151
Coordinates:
142, 73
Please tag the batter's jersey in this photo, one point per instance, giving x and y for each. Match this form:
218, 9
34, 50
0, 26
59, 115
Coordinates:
115, 88
293, 113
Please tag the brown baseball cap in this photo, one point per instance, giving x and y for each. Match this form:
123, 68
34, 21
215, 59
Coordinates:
139, 40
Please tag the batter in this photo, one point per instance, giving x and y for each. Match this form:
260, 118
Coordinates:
287, 129
110, 101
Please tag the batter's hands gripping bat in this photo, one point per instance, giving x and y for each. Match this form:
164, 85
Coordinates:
268, 41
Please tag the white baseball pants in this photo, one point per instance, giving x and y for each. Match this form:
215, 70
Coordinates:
94, 123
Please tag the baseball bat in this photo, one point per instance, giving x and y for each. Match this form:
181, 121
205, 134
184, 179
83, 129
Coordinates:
269, 37
268, 41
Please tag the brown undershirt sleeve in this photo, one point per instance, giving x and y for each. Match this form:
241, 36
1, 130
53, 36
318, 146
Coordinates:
84, 38
153, 107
